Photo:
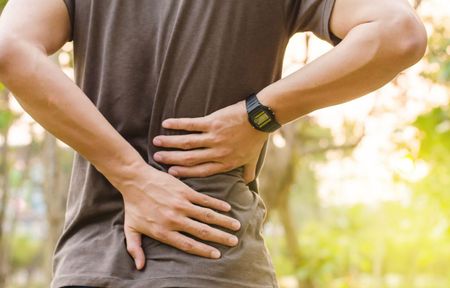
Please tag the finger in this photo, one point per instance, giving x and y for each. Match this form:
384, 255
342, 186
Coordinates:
185, 142
199, 170
207, 201
210, 216
186, 158
191, 246
206, 232
134, 247
249, 172
189, 124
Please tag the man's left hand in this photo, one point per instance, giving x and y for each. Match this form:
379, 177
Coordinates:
226, 141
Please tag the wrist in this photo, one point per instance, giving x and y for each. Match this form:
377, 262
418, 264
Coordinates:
267, 98
123, 169
260, 116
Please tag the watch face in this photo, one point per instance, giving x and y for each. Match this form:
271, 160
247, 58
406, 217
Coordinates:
262, 118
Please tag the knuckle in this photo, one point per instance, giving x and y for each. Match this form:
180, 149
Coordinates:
187, 246
224, 152
190, 125
184, 193
215, 140
203, 232
186, 145
205, 201
203, 172
159, 233
216, 124
209, 214
210, 138
131, 249
169, 216
189, 159
228, 165
219, 139
209, 170
179, 205
173, 221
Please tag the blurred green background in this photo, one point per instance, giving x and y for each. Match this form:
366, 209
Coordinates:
358, 194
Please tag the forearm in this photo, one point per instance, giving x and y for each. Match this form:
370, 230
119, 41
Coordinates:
369, 56
57, 104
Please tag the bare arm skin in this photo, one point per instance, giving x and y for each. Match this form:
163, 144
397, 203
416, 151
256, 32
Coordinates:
30, 31
380, 39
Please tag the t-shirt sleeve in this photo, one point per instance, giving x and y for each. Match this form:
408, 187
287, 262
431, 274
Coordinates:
313, 16
70, 4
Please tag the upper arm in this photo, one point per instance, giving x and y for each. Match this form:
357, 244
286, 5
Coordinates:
347, 14
44, 23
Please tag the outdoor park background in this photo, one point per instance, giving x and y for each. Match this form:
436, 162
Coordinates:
358, 195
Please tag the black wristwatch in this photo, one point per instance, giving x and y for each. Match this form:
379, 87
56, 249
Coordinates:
261, 117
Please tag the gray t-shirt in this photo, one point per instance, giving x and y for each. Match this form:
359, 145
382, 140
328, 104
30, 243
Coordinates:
142, 61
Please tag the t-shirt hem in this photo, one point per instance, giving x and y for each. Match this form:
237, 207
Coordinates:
154, 282
70, 10
326, 17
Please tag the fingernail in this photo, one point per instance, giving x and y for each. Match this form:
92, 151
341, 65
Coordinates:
233, 240
157, 157
236, 225
157, 141
215, 254
173, 172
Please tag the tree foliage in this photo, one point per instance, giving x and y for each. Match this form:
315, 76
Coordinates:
438, 55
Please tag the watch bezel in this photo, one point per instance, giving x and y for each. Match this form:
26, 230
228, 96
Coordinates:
270, 126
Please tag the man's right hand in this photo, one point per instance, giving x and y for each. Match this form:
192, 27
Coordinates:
159, 205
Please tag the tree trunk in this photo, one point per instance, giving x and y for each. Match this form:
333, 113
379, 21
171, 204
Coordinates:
54, 190
4, 197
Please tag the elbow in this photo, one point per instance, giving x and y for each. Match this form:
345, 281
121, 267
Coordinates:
8, 53
406, 39
413, 44
15, 55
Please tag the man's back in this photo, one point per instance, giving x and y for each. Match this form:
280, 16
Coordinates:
141, 62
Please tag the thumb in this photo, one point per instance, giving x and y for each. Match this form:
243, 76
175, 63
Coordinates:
250, 171
134, 248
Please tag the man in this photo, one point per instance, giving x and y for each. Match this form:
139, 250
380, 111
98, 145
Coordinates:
133, 222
